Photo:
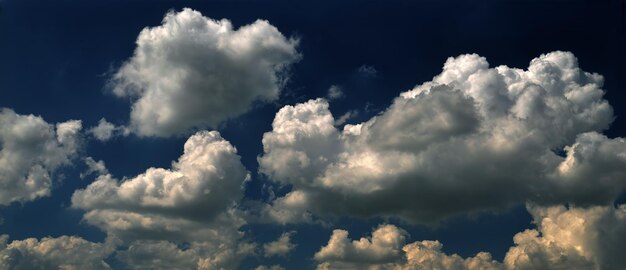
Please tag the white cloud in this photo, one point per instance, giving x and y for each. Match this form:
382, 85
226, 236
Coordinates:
483, 136
281, 247
105, 130
31, 151
65, 252
196, 72
194, 203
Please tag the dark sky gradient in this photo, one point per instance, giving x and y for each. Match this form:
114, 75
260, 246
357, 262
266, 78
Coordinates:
56, 57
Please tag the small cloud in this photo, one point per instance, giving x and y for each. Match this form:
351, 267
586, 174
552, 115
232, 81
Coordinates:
345, 117
94, 166
105, 130
335, 92
281, 247
367, 70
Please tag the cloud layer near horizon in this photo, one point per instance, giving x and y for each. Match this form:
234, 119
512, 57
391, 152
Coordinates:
193, 72
574, 238
488, 137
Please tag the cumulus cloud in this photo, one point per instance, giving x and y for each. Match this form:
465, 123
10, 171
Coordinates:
105, 130
565, 238
193, 203
196, 72
487, 137
386, 249
31, 151
65, 252
281, 247
574, 238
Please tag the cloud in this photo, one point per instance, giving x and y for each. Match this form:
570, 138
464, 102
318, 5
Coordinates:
384, 246
94, 167
367, 70
335, 92
281, 247
193, 203
386, 249
565, 238
105, 130
31, 152
196, 72
65, 252
487, 137
574, 238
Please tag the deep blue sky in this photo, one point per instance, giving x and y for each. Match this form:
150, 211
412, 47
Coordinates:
56, 57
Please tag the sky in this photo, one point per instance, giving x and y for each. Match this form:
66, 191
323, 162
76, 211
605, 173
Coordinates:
312, 134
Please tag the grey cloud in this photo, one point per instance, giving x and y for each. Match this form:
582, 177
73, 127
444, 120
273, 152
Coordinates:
483, 136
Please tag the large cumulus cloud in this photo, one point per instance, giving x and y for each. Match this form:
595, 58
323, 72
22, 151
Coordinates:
192, 204
565, 238
474, 138
195, 72
31, 150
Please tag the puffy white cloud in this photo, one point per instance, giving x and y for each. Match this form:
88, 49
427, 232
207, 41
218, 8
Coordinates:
191, 203
195, 72
65, 252
281, 247
31, 150
574, 238
484, 136
386, 249
105, 130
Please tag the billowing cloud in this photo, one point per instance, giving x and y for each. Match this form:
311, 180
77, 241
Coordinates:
565, 238
488, 137
195, 72
31, 150
65, 252
386, 249
281, 247
192, 203
574, 238
273, 267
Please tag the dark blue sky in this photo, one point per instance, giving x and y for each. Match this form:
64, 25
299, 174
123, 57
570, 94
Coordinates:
57, 56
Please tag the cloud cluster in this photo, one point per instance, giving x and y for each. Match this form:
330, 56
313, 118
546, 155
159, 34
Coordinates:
31, 150
574, 238
196, 72
488, 137
65, 252
387, 249
191, 203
